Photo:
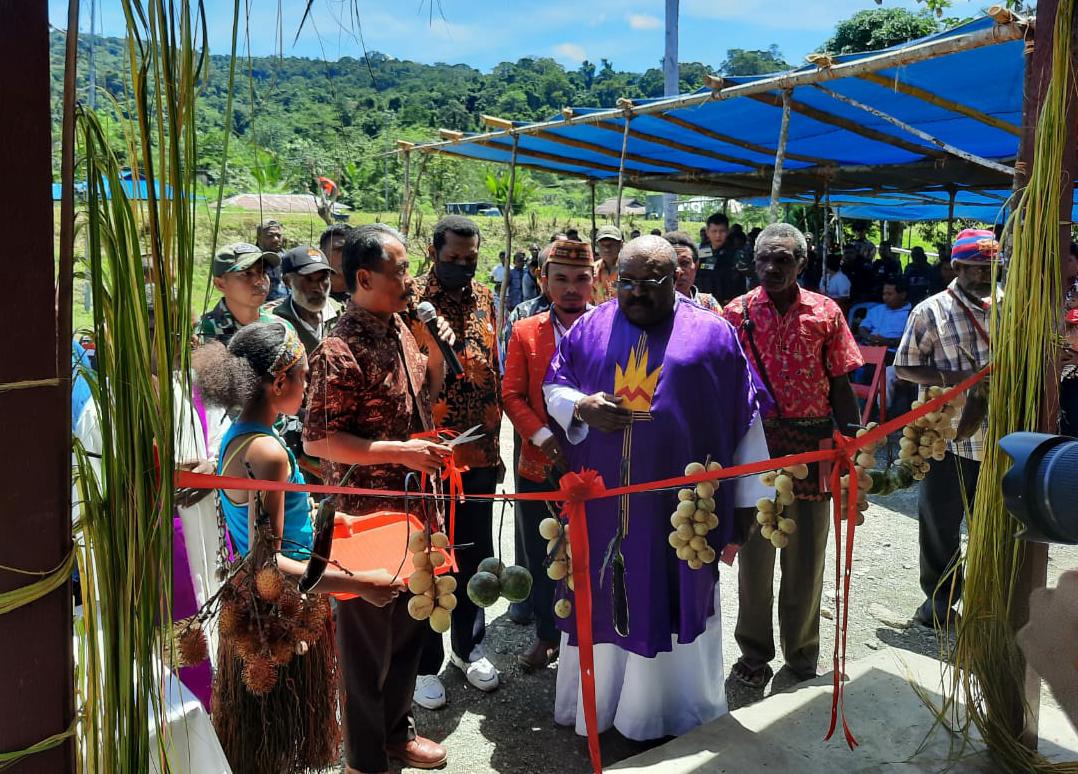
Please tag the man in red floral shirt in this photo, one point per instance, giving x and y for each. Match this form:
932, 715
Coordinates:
803, 351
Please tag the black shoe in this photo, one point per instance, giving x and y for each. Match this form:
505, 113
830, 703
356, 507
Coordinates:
938, 620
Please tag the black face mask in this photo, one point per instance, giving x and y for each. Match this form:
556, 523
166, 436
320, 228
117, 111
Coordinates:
453, 276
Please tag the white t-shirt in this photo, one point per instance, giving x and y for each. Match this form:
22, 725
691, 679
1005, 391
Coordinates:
835, 285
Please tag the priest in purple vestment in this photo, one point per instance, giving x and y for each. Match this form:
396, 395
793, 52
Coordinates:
641, 386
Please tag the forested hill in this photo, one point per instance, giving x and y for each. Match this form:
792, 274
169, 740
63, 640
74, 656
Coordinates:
294, 117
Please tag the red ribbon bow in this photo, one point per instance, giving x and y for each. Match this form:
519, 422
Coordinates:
577, 489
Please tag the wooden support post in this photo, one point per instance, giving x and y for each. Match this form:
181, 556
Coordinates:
826, 233
402, 221
594, 229
621, 167
951, 194
944, 146
780, 157
37, 669
507, 215
1032, 572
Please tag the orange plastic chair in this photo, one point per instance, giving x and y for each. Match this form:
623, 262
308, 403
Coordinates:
873, 356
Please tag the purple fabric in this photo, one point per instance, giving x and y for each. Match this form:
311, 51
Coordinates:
197, 678
705, 400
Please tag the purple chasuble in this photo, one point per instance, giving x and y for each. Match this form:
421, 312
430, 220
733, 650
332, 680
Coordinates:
690, 374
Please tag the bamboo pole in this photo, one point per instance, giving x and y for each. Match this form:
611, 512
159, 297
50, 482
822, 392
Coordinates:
508, 219
605, 151
930, 49
826, 232
780, 157
951, 194
739, 143
944, 146
684, 147
947, 104
594, 229
621, 167
553, 157
402, 221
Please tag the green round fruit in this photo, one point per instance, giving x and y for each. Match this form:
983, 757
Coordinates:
879, 482
484, 589
516, 583
901, 475
492, 565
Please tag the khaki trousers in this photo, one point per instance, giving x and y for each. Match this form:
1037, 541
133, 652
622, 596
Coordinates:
801, 563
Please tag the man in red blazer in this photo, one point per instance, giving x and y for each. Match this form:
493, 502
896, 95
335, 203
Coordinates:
570, 277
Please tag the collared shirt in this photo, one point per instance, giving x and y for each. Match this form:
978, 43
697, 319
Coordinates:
604, 289
526, 309
218, 324
941, 334
886, 322
310, 335
718, 273
802, 350
705, 300
368, 379
835, 284
475, 398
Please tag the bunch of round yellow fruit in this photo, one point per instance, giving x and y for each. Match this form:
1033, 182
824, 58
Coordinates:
434, 598
560, 560
866, 483
773, 525
927, 437
694, 518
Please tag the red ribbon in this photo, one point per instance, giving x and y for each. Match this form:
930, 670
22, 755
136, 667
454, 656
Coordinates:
452, 473
579, 488
576, 490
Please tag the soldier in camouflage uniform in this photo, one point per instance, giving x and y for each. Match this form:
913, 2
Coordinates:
239, 274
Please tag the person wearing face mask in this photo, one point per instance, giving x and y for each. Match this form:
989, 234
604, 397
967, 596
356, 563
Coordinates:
309, 307
472, 399
946, 340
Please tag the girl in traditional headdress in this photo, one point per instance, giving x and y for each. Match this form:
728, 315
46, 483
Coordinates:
275, 692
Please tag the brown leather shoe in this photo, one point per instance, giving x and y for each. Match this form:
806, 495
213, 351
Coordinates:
540, 656
419, 753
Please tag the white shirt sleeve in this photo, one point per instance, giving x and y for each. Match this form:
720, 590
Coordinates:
752, 448
540, 436
560, 403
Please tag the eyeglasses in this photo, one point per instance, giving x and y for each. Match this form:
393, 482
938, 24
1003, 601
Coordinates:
644, 284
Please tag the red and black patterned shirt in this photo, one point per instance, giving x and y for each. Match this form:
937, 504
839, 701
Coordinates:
359, 384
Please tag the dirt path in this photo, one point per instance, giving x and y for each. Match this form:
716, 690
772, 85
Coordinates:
512, 730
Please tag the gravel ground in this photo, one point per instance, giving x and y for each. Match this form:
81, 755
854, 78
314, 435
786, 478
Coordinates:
512, 730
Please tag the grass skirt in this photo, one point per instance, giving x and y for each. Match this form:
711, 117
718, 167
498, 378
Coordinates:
294, 727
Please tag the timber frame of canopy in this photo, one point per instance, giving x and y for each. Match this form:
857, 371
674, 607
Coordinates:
670, 152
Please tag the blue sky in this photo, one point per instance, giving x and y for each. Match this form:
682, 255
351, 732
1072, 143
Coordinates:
482, 34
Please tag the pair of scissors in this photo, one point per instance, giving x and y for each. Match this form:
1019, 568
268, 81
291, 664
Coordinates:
469, 435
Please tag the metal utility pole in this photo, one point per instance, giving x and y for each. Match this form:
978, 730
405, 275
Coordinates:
671, 80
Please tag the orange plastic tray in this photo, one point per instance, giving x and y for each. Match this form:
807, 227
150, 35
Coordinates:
378, 541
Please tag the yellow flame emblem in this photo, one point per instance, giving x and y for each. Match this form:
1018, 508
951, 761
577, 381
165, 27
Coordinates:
634, 383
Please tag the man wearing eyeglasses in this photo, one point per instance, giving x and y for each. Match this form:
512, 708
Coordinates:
631, 392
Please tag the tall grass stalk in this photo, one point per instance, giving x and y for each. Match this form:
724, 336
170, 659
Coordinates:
125, 519
989, 670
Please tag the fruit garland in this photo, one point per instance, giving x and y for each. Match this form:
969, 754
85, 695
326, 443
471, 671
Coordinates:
493, 580
559, 560
694, 518
434, 598
262, 613
773, 525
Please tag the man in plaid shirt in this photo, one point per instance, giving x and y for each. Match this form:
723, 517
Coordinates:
946, 340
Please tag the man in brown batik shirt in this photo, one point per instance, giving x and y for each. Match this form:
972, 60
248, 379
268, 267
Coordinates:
370, 389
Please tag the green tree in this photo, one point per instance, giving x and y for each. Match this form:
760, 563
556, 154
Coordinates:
878, 28
741, 61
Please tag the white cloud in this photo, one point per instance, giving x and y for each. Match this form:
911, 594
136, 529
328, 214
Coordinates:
571, 52
642, 21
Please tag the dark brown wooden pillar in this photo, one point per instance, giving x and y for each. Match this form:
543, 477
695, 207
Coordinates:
36, 685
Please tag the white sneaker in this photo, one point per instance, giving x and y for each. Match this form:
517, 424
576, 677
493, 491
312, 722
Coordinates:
478, 671
429, 692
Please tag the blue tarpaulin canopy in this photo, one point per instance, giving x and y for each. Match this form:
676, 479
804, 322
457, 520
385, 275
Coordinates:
935, 114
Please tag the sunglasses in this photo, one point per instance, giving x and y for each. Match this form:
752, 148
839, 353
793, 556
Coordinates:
644, 284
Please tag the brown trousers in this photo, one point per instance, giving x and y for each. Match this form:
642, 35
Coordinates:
800, 587
378, 650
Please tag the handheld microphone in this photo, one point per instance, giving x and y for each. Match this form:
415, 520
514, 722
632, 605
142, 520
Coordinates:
427, 315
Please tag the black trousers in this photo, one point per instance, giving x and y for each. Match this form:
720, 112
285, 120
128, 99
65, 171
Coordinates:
940, 510
542, 599
474, 544
379, 650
